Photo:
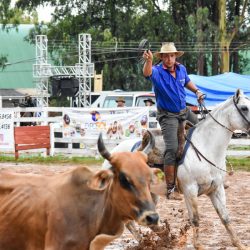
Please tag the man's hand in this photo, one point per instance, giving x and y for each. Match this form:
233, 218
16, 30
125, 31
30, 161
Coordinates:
147, 55
200, 96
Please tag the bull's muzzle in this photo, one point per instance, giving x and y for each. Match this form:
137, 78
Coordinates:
148, 218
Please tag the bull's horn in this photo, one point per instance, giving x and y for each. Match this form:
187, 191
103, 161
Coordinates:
151, 143
102, 149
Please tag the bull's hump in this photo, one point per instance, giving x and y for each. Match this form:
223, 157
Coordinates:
81, 175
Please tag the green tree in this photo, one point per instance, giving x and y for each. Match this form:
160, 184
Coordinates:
117, 27
3, 61
10, 18
229, 30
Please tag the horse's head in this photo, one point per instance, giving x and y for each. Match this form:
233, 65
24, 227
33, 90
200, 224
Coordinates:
240, 118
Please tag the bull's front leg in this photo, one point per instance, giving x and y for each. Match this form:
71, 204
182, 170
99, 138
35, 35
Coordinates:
102, 240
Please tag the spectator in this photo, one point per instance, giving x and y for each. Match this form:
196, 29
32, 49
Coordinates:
149, 102
120, 102
28, 102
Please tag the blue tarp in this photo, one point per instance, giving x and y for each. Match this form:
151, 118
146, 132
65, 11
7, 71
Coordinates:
219, 88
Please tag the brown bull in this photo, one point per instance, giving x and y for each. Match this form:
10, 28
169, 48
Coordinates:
79, 209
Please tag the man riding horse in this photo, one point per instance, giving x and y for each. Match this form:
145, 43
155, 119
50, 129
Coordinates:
169, 79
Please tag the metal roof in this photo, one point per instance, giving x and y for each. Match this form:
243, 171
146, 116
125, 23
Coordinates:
17, 93
20, 55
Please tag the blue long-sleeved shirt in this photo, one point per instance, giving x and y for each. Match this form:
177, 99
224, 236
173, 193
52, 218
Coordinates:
169, 91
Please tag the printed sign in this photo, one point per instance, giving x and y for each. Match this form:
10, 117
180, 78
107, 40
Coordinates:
118, 123
6, 129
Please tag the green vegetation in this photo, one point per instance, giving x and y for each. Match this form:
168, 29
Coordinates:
234, 147
50, 160
213, 34
239, 163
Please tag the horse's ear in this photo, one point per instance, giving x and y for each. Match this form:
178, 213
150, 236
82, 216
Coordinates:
238, 93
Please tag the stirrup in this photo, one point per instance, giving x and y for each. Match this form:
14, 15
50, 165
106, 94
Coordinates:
173, 194
169, 191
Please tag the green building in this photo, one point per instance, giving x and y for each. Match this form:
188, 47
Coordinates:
16, 78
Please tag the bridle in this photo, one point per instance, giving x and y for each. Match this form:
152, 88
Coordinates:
242, 115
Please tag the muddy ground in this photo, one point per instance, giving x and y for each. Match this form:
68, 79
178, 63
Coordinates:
174, 231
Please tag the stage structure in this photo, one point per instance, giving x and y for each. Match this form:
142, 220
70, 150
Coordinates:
83, 71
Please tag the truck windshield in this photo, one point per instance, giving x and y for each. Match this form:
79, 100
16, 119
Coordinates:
140, 100
110, 102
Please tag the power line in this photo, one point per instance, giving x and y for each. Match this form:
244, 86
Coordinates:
21, 61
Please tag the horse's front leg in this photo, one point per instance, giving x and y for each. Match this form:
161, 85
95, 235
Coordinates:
192, 206
218, 199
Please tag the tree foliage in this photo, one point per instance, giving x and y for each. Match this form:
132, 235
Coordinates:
116, 27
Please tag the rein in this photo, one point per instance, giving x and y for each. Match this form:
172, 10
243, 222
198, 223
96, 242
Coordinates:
204, 107
198, 153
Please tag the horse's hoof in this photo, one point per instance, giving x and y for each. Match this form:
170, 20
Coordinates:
241, 247
244, 248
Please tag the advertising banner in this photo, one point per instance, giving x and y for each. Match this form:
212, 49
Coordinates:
119, 123
6, 129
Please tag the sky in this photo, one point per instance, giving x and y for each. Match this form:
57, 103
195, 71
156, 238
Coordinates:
44, 13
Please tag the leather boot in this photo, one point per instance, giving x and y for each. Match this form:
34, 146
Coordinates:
172, 193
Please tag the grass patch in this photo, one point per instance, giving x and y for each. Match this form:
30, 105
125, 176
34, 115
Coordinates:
239, 163
58, 159
235, 147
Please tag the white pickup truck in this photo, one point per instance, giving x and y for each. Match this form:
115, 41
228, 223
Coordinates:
107, 99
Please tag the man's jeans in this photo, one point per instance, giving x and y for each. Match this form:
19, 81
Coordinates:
169, 123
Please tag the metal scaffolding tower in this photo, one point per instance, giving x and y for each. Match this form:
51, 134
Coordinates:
83, 70
39, 71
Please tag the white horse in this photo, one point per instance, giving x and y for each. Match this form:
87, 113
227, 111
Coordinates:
196, 177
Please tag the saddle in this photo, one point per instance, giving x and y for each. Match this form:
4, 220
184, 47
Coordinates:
183, 129
156, 156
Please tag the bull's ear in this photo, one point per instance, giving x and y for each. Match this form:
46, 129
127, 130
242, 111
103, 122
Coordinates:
158, 185
100, 180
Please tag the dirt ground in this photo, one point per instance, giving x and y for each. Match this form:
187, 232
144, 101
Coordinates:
174, 231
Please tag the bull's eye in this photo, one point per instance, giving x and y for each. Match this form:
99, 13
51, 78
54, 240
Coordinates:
125, 183
244, 108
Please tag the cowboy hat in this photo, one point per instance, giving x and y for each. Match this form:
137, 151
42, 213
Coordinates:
168, 48
120, 99
149, 100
